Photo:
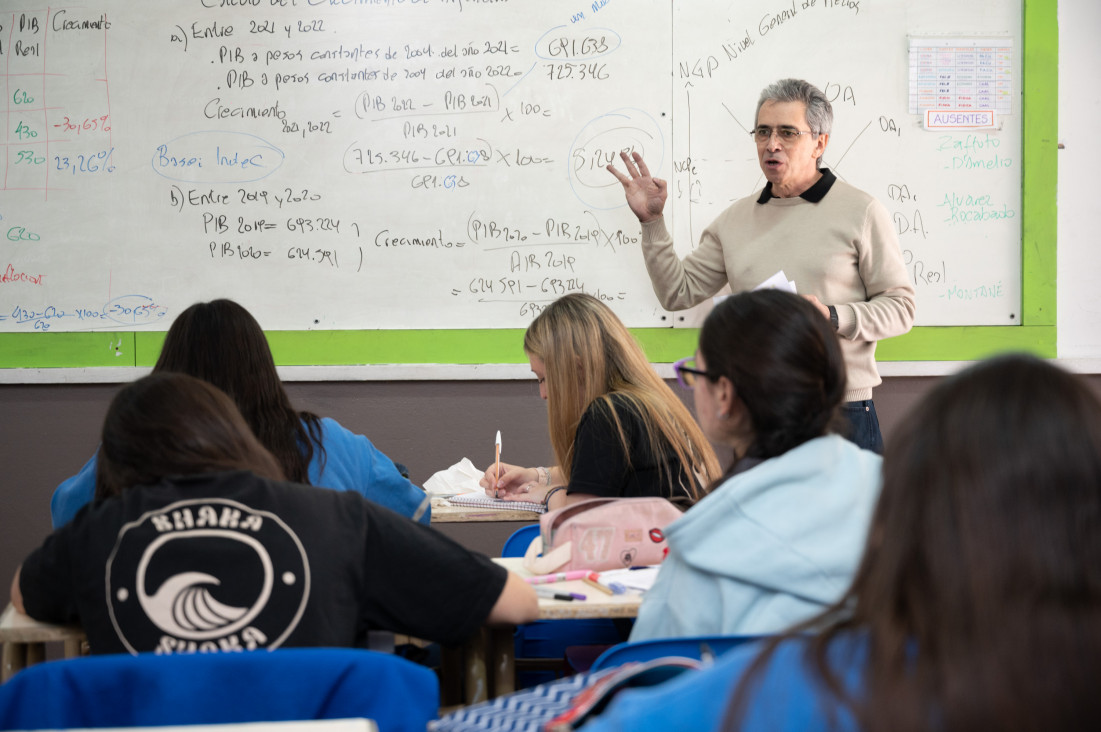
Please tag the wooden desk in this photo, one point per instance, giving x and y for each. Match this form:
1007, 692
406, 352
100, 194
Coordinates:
489, 658
25, 640
481, 530
487, 661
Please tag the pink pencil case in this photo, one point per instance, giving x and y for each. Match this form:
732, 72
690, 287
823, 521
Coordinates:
601, 534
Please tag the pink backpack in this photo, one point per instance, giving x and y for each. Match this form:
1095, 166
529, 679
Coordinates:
601, 534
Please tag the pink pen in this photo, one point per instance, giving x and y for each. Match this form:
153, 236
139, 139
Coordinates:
558, 577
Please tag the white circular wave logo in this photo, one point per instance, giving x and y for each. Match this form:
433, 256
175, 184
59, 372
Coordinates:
184, 606
206, 575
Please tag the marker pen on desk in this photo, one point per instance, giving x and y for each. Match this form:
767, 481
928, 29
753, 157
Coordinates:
552, 595
610, 586
592, 580
558, 577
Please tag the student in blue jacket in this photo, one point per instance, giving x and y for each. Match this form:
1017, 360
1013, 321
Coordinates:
221, 343
778, 537
976, 602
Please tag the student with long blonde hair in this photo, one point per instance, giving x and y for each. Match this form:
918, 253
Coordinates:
617, 430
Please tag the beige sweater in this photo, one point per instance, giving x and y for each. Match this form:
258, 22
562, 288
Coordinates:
841, 249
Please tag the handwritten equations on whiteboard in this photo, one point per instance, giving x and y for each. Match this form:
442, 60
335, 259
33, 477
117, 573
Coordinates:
441, 163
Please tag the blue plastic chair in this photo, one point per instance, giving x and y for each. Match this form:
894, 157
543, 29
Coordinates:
517, 543
690, 647
540, 646
221, 688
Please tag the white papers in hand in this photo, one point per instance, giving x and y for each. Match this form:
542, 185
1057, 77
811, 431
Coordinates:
778, 281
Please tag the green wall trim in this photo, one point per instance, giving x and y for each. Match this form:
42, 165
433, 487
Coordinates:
468, 346
474, 346
1036, 332
967, 343
314, 348
66, 350
1040, 165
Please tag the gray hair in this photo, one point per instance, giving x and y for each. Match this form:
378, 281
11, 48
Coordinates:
819, 109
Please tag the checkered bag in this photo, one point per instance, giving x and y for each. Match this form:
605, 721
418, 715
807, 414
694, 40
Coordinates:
564, 704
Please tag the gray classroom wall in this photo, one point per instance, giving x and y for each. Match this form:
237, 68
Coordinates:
47, 431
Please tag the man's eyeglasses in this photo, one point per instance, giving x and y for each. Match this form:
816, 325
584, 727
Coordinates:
786, 134
686, 375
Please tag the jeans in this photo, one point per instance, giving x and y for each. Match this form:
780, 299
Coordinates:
863, 425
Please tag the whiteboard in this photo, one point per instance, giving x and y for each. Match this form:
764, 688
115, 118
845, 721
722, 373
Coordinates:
954, 195
438, 164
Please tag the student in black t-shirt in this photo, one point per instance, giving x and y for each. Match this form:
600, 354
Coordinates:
616, 428
196, 543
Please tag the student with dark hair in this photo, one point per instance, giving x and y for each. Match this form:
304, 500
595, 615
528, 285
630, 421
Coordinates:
221, 343
196, 543
976, 604
779, 536
617, 430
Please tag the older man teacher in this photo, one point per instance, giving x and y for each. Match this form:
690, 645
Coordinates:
833, 240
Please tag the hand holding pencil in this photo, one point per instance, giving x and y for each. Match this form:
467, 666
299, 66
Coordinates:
511, 482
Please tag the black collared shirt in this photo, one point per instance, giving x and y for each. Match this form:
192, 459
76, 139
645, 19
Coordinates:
814, 194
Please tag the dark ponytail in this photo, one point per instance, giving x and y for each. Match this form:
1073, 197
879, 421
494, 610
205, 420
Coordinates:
785, 363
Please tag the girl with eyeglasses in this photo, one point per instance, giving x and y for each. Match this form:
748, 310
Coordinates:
779, 536
976, 603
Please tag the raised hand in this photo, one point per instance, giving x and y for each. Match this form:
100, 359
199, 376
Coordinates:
645, 194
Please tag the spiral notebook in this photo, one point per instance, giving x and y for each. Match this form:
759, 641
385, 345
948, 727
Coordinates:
481, 500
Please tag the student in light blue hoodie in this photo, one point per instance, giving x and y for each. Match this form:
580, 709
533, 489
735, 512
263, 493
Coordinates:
975, 605
778, 538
